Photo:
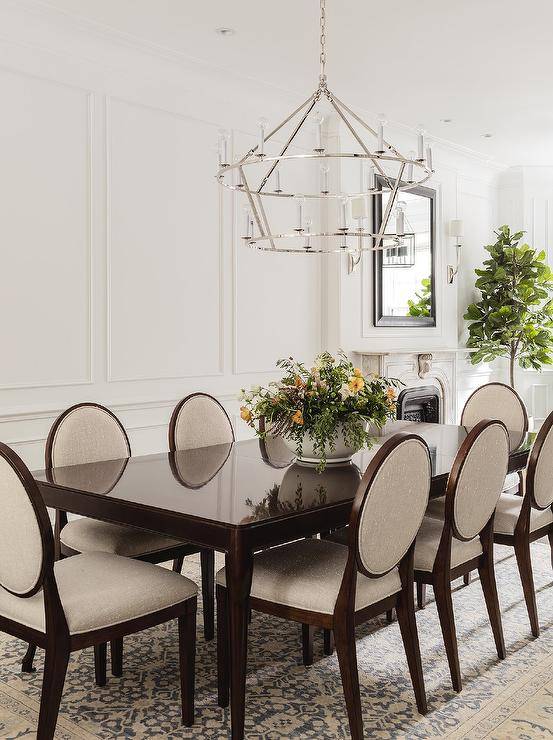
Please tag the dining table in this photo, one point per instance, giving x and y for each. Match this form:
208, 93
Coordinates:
240, 498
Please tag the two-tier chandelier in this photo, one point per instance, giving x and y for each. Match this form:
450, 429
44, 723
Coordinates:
261, 174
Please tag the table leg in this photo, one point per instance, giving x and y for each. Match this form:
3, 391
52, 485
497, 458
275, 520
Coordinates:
239, 568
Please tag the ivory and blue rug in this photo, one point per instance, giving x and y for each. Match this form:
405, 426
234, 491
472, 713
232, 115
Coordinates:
508, 699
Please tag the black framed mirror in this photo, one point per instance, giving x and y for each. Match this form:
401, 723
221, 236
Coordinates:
404, 275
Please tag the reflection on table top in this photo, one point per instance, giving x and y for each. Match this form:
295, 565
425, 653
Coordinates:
248, 481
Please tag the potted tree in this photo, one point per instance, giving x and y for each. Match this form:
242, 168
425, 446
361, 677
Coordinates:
514, 316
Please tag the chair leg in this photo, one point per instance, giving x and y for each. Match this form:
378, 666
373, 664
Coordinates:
208, 592
100, 659
466, 579
55, 668
187, 661
524, 563
344, 636
405, 611
444, 603
307, 632
550, 537
223, 677
177, 564
390, 616
116, 652
328, 638
421, 595
28, 658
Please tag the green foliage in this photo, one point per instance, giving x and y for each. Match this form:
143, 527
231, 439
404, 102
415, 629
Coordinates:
330, 397
422, 305
514, 317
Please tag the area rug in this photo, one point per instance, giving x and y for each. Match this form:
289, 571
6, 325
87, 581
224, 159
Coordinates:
500, 699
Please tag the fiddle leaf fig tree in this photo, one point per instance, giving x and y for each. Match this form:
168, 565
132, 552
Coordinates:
514, 316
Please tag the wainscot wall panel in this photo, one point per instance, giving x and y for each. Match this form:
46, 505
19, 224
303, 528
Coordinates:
45, 237
164, 245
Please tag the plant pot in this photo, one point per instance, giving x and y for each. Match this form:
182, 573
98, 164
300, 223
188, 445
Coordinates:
340, 454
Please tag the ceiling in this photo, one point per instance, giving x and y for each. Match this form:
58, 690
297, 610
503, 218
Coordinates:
485, 64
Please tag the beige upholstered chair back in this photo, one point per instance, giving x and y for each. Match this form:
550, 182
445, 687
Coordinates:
394, 494
496, 401
199, 420
86, 433
477, 477
25, 549
539, 477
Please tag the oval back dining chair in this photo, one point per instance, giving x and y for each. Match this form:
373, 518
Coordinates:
91, 433
462, 540
197, 421
496, 401
519, 521
489, 401
55, 605
321, 583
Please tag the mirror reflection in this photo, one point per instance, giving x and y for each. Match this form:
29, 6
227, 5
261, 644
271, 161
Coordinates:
404, 274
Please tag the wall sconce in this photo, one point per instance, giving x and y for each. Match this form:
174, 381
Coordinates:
455, 231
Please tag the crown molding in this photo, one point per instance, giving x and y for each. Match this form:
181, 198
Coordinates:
137, 43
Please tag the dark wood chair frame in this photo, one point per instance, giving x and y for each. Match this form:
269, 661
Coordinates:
207, 557
176, 554
345, 618
421, 588
522, 537
443, 574
57, 641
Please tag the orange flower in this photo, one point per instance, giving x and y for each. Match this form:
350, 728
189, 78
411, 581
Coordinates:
298, 382
357, 372
297, 417
245, 413
356, 384
390, 392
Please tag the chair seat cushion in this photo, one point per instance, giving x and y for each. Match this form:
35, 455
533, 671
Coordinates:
91, 535
99, 590
307, 575
428, 540
436, 506
508, 512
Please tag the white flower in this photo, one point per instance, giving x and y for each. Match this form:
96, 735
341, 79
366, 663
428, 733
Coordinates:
345, 391
256, 390
319, 364
242, 395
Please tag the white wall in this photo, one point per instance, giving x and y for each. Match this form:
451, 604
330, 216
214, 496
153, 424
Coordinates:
122, 278
526, 202
466, 188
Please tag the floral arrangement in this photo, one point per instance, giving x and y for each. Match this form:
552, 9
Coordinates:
331, 397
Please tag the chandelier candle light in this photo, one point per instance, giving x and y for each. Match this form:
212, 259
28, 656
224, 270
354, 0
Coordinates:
388, 172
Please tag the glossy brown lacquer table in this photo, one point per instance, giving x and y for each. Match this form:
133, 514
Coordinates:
237, 499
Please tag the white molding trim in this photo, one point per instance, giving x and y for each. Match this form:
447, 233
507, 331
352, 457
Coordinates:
108, 148
91, 182
137, 43
118, 406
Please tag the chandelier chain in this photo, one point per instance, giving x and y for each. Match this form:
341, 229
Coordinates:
323, 39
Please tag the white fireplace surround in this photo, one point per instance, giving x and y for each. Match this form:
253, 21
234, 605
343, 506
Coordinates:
418, 368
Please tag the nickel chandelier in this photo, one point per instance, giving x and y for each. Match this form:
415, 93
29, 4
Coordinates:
384, 171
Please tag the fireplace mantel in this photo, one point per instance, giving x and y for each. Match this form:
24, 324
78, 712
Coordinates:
416, 368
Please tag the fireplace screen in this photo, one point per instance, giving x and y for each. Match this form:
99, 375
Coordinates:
419, 404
